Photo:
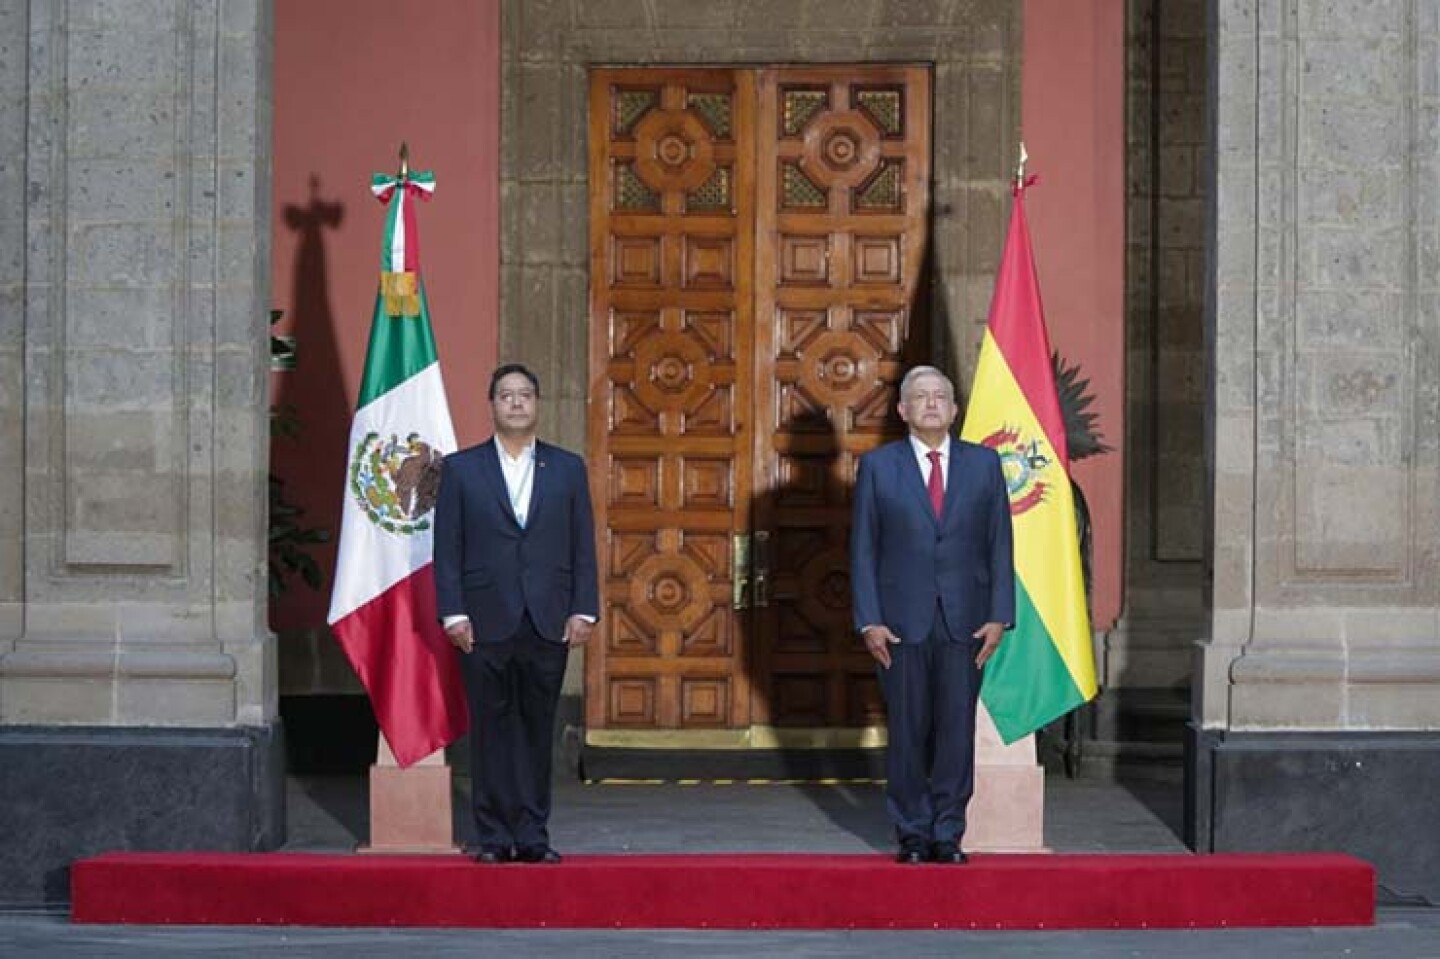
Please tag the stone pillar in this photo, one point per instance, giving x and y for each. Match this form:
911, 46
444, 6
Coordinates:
137, 681
1146, 660
1319, 692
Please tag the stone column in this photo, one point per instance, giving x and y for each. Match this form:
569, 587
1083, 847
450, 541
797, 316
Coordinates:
1147, 662
137, 684
1319, 689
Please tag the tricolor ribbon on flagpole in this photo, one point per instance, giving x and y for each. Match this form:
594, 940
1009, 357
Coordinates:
400, 255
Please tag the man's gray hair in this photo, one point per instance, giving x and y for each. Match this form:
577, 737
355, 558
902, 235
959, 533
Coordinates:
918, 371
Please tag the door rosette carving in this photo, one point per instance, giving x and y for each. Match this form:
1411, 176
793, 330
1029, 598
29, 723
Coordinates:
841, 149
674, 150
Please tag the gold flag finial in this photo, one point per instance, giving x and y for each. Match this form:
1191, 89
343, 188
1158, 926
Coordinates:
404, 159
1020, 167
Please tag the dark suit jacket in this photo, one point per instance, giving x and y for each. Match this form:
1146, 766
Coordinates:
903, 562
490, 568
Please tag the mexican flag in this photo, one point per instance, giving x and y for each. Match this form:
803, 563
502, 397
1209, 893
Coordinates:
383, 605
1045, 667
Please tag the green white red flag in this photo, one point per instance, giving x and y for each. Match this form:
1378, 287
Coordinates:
382, 608
1046, 665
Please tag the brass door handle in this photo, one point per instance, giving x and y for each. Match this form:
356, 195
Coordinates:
762, 569
740, 571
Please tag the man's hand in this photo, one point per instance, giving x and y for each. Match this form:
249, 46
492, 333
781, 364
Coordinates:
578, 630
990, 634
877, 640
462, 636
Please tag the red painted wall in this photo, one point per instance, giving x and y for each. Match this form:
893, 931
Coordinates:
353, 78
1073, 110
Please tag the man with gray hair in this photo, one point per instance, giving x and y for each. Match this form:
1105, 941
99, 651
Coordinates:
933, 584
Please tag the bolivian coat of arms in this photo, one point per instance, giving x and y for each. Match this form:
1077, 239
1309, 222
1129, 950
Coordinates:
1026, 466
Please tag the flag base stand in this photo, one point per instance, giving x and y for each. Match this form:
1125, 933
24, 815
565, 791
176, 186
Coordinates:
410, 809
1007, 811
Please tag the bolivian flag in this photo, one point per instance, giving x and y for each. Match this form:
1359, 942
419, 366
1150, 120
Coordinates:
1045, 667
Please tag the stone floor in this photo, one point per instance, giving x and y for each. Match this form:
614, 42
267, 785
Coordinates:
1136, 813
1083, 815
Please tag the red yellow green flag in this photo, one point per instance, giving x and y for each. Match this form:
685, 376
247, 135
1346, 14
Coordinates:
1046, 666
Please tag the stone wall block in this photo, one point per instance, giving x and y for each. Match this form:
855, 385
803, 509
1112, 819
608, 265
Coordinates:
1353, 135
1290, 706
540, 224
164, 701
1358, 384
135, 443
1357, 257
257, 685
240, 18
1332, 534
1342, 319
1350, 18
121, 190
1353, 197
536, 27
101, 380
239, 70
1397, 705
236, 257
123, 254
987, 124
766, 15
538, 125
694, 14
119, 124
1370, 69
124, 56
1323, 443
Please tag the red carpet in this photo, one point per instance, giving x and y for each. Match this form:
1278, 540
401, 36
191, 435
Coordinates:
728, 891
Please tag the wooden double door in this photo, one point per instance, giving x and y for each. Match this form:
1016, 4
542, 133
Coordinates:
756, 241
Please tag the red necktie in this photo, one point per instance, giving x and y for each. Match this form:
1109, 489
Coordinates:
936, 485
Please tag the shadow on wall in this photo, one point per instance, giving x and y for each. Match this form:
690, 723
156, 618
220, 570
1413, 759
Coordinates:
329, 724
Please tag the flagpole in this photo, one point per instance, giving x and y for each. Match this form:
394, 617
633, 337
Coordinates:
1020, 169
390, 632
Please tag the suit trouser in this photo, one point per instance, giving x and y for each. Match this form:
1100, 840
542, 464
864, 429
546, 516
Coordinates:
513, 691
931, 690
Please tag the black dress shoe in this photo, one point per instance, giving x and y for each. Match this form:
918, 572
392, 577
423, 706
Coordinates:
537, 854
492, 855
910, 854
948, 852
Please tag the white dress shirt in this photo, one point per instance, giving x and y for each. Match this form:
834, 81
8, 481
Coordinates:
922, 456
519, 478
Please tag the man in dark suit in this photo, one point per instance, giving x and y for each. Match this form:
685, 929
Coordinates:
515, 585
933, 593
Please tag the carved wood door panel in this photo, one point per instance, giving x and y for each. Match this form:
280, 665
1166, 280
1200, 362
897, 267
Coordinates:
755, 246
842, 197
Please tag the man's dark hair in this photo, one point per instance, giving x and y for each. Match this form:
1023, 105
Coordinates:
506, 369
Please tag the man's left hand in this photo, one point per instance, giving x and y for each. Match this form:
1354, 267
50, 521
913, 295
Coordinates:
578, 630
990, 634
